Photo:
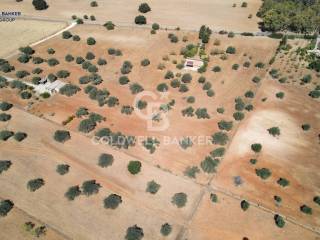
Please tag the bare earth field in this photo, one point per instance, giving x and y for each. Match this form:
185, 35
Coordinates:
293, 155
219, 15
135, 49
21, 33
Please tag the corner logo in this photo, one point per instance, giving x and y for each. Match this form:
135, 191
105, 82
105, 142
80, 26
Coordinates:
156, 112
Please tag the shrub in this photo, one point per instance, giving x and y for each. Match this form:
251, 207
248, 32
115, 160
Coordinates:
105, 160
4, 117
238, 116
141, 104
249, 94
186, 78
123, 80
4, 165
66, 35
36, 80
134, 233
5, 106
140, 20
225, 125
209, 164
263, 173
37, 71
183, 88
62, 169
40, 4
62, 136
134, 167
162, 87
173, 38
179, 199
246, 64
256, 147
25, 95
5, 207
109, 25
218, 152
235, 66
90, 187
305, 127
283, 182
144, 8
27, 50
126, 67
24, 58
244, 4
136, 88
72, 193
175, 83
90, 56
94, 4
256, 79
279, 221
79, 60
306, 209
34, 184
169, 74
92, 69
202, 113
69, 89
112, 201
91, 41
3, 82
22, 74
20, 136
76, 38
259, 65
280, 95
127, 110
69, 58
101, 62
213, 197
166, 229
316, 199
86, 125
145, 62
220, 138
277, 199
63, 74
274, 131
155, 26
152, 187
216, 69
5, 135
244, 205
220, 110
191, 171
231, 50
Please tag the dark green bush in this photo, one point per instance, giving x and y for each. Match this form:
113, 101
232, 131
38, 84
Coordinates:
155, 26
136, 88
62, 169
169, 74
90, 187
162, 87
179, 199
4, 117
20, 136
5, 207
25, 95
40, 4
69, 58
4, 165
306, 209
225, 125
186, 78
305, 127
105, 160
209, 164
126, 67
51, 51
69, 89
283, 182
279, 221
112, 201
216, 69
144, 8
87, 125
140, 20
5, 106
109, 25
244, 205
22, 74
62, 136
134, 233
152, 187
101, 62
66, 35
134, 167
34, 184
256, 147
231, 50
280, 95
263, 173
27, 50
274, 131
91, 41
76, 38
5, 135
220, 138
24, 58
72, 193
166, 229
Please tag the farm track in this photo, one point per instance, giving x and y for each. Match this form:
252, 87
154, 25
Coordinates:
205, 187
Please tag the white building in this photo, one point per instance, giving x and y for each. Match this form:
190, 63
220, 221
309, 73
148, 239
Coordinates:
193, 64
